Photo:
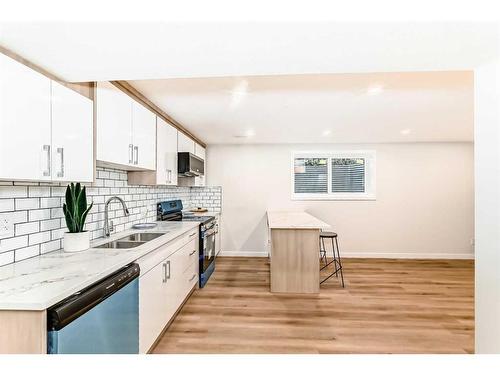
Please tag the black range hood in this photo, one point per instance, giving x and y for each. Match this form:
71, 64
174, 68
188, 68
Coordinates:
189, 165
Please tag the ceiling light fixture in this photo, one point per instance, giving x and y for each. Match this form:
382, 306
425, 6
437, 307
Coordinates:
327, 132
375, 89
405, 131
238, 93
247, 134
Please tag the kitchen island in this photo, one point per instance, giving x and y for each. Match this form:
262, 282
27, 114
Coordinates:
294, 251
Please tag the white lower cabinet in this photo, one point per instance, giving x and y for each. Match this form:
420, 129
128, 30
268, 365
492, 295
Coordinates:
152, 306
167, 276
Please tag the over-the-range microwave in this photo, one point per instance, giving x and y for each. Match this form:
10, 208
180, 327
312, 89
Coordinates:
189, 165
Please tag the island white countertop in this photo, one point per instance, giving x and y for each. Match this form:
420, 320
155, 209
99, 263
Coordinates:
294, 220
40, 282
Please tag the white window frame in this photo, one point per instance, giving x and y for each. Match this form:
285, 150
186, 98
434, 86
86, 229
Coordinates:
370, 157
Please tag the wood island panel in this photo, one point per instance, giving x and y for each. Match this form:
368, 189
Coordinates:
23, 332
295, 260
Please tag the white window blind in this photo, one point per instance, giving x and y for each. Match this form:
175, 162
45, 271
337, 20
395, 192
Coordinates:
343, 175
311, 175
348, 175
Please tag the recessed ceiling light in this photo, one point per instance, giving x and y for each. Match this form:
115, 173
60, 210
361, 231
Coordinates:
327, 132
247, 134
375, 89
239, 92
405, 131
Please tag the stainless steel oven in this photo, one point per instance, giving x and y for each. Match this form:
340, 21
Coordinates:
208, 232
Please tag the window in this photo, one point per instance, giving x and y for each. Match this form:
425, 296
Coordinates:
334, 175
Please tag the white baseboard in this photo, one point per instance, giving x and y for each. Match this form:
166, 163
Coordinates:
407, 255
362, 255
243, 254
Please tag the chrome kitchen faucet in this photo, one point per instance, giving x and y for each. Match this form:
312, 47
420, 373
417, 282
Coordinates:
108, 226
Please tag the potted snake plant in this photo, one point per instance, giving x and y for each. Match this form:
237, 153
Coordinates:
75, 212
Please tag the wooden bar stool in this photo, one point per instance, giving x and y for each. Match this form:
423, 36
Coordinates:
337, 263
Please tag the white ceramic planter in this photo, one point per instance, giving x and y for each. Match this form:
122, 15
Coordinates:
76, 241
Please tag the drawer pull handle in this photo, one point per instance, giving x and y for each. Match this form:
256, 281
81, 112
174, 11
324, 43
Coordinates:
191, 235
192, 278
192, 252
164, 272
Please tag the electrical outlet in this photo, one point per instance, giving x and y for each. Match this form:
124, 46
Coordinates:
6, 227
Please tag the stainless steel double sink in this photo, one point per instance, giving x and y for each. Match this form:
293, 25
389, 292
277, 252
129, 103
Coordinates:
131, 241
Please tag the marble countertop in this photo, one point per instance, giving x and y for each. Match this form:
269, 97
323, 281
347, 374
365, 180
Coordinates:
294, 220
40, 282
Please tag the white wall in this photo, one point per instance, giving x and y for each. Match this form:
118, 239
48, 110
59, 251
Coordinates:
424, 206
487, 135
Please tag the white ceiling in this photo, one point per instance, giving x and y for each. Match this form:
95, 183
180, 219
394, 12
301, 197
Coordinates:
347, 108
99, 51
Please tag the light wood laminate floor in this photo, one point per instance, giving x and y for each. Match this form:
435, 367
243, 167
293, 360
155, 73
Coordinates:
388, 306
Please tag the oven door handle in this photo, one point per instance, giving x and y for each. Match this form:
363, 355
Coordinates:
210, 233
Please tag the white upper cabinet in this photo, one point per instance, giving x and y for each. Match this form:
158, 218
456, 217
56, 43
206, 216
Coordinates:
72, 135
126, 131
143, 136
114, 125
185, 144
46, 129
25, 141
199, 151
166, 162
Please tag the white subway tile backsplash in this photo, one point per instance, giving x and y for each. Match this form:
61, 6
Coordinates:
15, 216
57, 234
50, 224
13, 243
27, 228
102, 174
6, 205
47, 247
56, 213
39, 191
27, 252
27, 203
50, 202
58, 191
6, 258
46, 226
39, 237
13, 191
35, 215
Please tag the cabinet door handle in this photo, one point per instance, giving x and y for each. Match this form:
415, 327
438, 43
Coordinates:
136, 149
47, 171
192, 252
60, 150
130, 153
168, 270
164, 265
192, 277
